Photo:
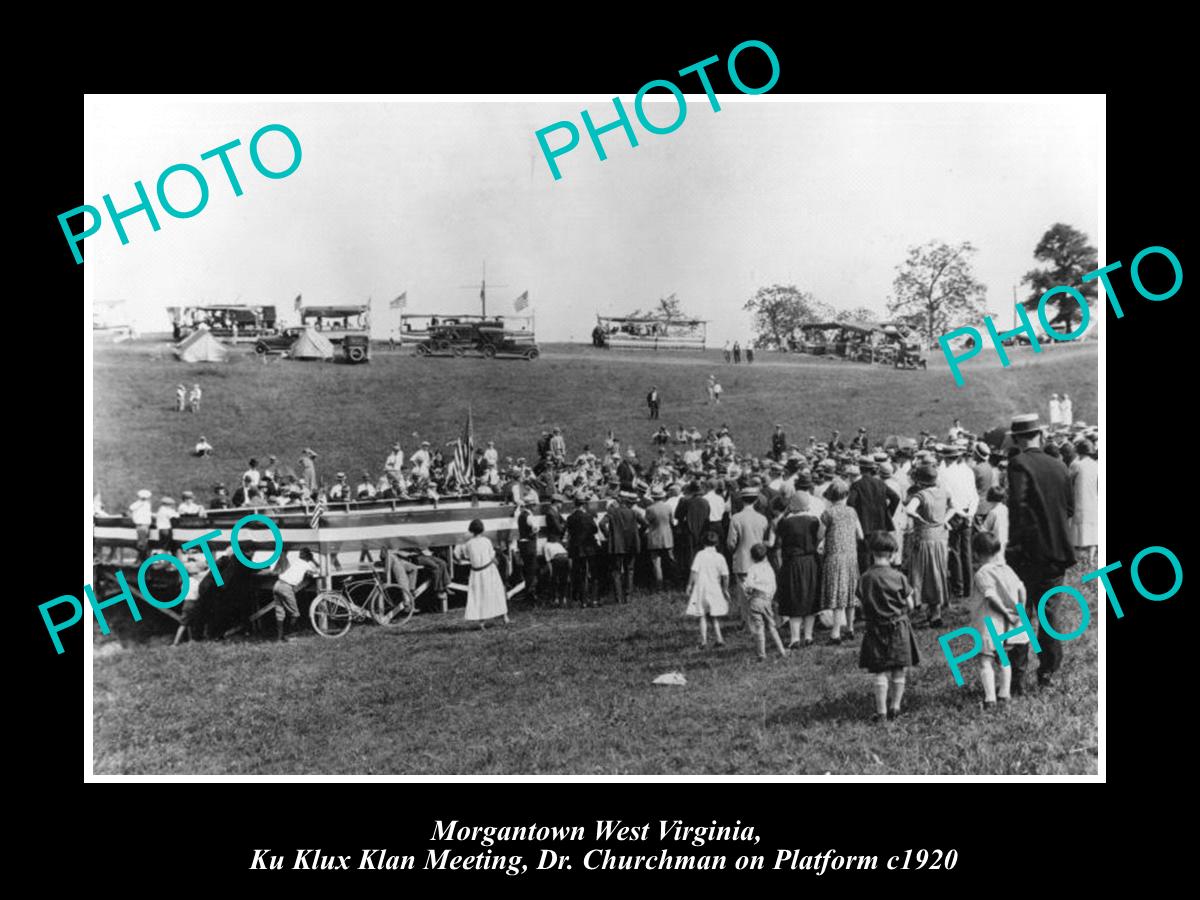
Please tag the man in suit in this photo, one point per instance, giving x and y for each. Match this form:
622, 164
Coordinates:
747, 527
627, 472
653, 402
778, 442
875, 504
581, 548
660, 540
691, 518
1040, 503
620, 528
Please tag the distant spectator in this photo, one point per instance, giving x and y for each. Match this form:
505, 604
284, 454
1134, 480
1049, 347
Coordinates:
203, 447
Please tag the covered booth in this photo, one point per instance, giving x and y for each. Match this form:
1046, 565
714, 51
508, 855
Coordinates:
640, 333
337, 322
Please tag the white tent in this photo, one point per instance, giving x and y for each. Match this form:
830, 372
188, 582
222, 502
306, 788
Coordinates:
312, 345
200, 346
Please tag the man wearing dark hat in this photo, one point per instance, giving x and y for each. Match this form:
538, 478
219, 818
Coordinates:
691, 518
627, 472
1040, 503
652, 401
860, 444
875, 504
985, 475
582, 548
620, 528
220, 499
556, 524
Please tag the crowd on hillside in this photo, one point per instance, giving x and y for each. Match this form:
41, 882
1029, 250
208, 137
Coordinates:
792, 529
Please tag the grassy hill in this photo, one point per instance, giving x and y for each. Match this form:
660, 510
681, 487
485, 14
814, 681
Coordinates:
351, 414
557, 691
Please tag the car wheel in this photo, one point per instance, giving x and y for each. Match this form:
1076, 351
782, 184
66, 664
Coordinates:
422, 350
532, 354
489, 352
260, 348
357, 354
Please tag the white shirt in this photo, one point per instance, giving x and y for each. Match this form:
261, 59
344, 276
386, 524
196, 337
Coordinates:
1066, 412
202, 446
553, 549
254, 475
164, 517
297, 568
139, 511
960, 482
491, 456
716, 506
760, 580
395, 461
190, 508
1055, 412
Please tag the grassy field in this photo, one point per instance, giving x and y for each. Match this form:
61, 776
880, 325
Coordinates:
557, 691
351, 414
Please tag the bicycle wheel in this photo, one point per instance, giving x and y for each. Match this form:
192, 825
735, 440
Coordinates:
330, 614
390, 607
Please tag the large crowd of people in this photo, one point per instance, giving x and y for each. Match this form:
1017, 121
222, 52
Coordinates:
790, 533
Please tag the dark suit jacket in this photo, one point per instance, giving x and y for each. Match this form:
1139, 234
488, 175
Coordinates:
874, 502
1040, 502
626, 474
621, 528
581, 533
556, 525
692, 515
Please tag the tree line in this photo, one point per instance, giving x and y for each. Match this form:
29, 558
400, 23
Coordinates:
935, 290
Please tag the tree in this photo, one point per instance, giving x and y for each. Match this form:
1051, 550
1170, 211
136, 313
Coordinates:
780, 309
668, 309
859, 315
1070, 257
937, 288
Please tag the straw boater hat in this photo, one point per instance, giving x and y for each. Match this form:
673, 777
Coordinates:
867, 463
143, 494
982, 451
188, 494
804, 481
657, 492
167, 501
748, 492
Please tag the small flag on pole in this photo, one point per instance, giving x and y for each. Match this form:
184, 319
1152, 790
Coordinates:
463, 465
318, 511
400, 302
297, 303
521, 302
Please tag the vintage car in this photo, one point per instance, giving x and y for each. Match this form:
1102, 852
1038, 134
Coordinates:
278, 343
356, 348
487, 338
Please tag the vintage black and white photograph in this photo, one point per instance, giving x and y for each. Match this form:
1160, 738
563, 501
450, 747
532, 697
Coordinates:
471, 437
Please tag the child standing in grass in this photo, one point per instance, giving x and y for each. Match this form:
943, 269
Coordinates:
888, 647
995, 593
708, 588
760, 591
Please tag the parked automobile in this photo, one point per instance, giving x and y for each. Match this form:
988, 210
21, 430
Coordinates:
278, 343
356, 348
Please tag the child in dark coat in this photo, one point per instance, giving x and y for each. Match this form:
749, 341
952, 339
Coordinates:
888, 647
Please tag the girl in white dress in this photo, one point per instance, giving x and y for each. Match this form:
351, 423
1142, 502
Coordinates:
708, 589
486, 597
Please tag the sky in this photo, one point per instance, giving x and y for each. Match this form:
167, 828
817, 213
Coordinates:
415, 197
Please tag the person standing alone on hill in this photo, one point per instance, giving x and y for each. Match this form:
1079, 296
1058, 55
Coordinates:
652, 401
180, 398
737, 353
194, 398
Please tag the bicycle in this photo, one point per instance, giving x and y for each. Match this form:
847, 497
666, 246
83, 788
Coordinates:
332, 613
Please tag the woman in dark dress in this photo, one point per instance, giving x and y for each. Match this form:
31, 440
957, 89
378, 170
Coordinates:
798, 535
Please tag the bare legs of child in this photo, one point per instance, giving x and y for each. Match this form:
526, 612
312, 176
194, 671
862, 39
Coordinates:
759, 628
704, 632
987, 676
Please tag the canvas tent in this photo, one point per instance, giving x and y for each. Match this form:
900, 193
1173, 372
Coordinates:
200, 346
312, 345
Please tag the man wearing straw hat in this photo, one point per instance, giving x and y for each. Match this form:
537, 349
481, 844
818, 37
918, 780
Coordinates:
620, 527
1040, 503
660, 540
747, 527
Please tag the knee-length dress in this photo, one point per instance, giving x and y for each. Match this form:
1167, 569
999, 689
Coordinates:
929, 564
800, 572
1085, 485
888, 641
839, 571
486, 597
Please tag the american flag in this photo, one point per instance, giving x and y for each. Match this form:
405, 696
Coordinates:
297, 303
318, 511
521, 302
400, 302
462, 467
